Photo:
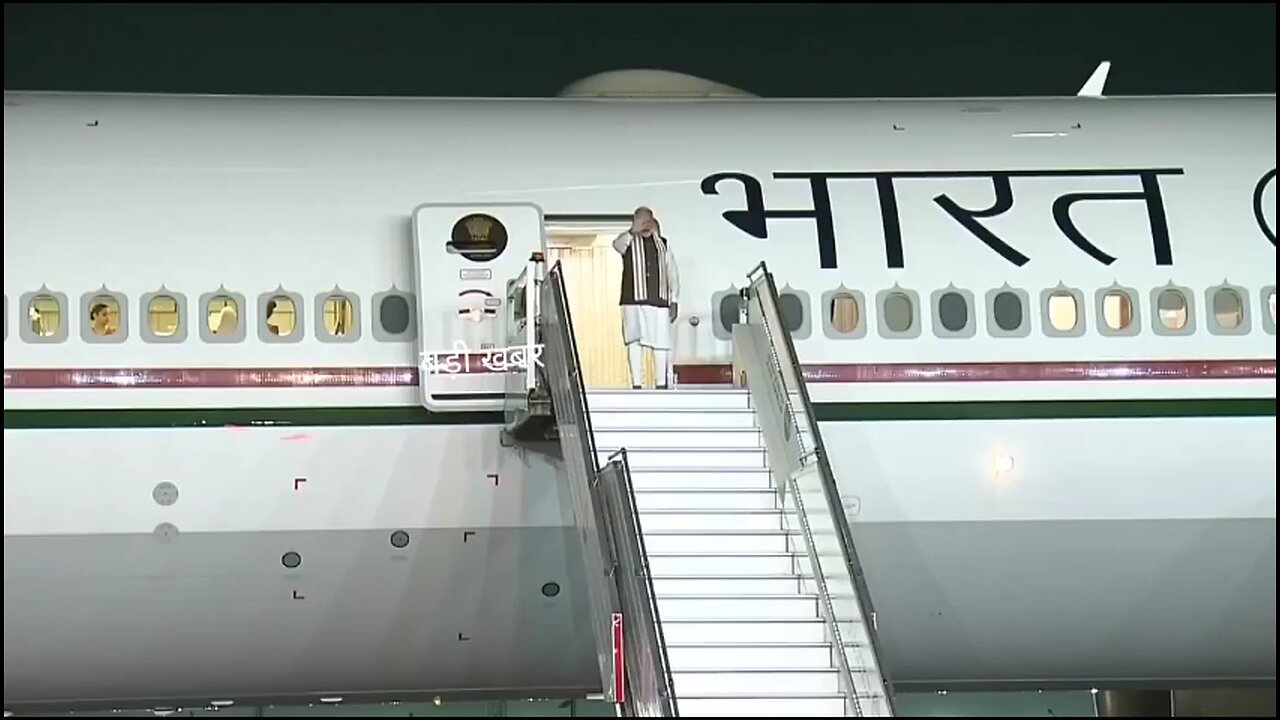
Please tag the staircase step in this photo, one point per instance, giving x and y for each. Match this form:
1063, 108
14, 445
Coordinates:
687, 457
644, 479
720, 681
668, 399
673, 419
733, 586
743, 656
712, 630
719, 606
744, 705
660, 541
723, 499
702, 563
651, 520
668, 437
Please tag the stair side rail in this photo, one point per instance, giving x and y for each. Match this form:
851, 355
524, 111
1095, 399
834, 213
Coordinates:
809, 495
618, 582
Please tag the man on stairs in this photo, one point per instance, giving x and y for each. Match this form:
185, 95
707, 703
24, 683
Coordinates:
650, 293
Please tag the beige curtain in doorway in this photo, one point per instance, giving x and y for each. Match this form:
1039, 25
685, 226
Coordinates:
593, 276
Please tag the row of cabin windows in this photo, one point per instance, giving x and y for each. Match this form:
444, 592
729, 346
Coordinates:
163, 317
1008, 312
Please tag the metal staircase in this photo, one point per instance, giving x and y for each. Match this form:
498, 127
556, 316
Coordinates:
712, 531
740, 609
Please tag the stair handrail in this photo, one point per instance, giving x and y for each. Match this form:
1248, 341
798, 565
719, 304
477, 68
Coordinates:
660, 688
760, 276
575, 413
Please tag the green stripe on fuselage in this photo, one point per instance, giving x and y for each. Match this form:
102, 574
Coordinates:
826, 412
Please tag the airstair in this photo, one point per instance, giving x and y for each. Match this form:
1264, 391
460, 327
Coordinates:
722, 575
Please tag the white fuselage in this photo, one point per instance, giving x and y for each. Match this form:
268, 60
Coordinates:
1031, 508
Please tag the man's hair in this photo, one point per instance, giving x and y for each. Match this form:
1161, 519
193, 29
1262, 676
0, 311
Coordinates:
643, 209
271, 307
99, 308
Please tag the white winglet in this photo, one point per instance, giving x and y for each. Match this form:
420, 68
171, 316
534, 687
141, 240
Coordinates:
1094, 85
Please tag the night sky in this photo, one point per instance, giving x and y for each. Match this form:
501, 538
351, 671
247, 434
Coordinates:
783, 50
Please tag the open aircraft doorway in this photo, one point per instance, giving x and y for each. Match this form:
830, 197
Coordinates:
593, 279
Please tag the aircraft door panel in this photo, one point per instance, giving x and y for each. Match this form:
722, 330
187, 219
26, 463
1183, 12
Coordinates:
463, 257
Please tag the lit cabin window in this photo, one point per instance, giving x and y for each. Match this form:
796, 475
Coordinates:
1172, 309
844, 313
104, 316
1228, 309
1064, 312
1268, 296
1007, 311
898, 312
1271, 306
45, 315
339, 316
163, 317
223, 316
281, 316
1117, 310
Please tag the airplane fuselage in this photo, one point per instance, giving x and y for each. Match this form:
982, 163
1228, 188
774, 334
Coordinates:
1036, 501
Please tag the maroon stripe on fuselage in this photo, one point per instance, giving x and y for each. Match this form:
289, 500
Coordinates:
711, 374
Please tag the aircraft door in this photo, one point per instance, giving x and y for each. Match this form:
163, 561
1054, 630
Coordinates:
463, 257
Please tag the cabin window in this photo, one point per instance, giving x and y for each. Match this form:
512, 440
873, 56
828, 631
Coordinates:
953, 313
1063, 312
844, 314
46, 316
395, 311
899, 313
1063, 316
1228, 309
1174, 313
793, 311
1172, 306
164, 316
337, 317
222, 320
1118, 311
105, 317
281, 317
223, 315
1007, 311
728, 304
1269, 302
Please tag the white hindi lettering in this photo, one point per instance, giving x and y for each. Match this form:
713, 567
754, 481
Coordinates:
494, 360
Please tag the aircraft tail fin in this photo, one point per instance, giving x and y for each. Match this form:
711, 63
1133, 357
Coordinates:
1097, 81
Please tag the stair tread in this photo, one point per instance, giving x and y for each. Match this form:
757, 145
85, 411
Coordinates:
755, 670
750, 644
770, 576
710, 511
754, 598
758, 696
666, 620
722, 531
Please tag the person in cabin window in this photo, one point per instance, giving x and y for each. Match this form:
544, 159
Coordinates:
650, 294
100, 319
273, 323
